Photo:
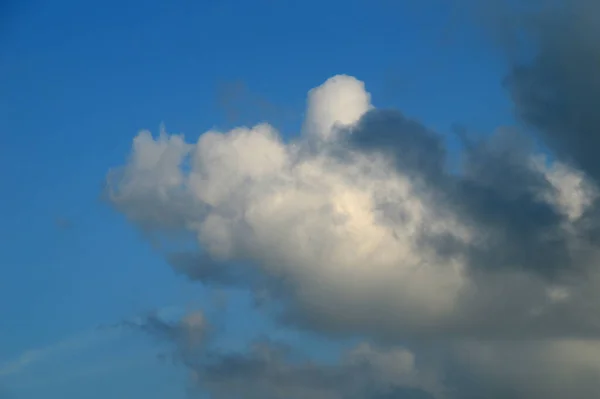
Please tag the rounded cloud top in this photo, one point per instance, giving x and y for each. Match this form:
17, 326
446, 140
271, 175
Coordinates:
341, 100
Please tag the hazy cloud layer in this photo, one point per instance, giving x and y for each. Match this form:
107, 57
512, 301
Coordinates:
435, 369
271, 370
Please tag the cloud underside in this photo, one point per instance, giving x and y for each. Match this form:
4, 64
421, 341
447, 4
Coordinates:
270, 369
363, 225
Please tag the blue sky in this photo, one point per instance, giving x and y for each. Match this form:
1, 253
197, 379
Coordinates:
78, 80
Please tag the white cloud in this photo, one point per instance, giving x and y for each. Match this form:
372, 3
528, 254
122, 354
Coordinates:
357, 239
573, 192
343, 227
309, 217
340, 101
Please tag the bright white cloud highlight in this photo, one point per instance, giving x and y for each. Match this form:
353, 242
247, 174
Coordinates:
340, 101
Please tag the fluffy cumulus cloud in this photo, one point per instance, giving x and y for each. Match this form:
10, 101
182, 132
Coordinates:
370, 229
487, 270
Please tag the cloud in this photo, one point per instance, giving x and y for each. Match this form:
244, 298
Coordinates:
554, 82
549, 369
70, 363
367, 226
340, 101
269, 369
484, 270
188, 333
541, 369
32, 357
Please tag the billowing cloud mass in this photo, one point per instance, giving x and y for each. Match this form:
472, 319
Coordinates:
362, 225
372, 230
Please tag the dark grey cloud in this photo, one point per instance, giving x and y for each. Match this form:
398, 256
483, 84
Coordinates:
188, 334
429, 370
494, 188
267, 372
557, 92
272, 370
554, 82
416, 149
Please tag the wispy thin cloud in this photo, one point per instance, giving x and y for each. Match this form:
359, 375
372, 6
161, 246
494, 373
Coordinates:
31, 357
